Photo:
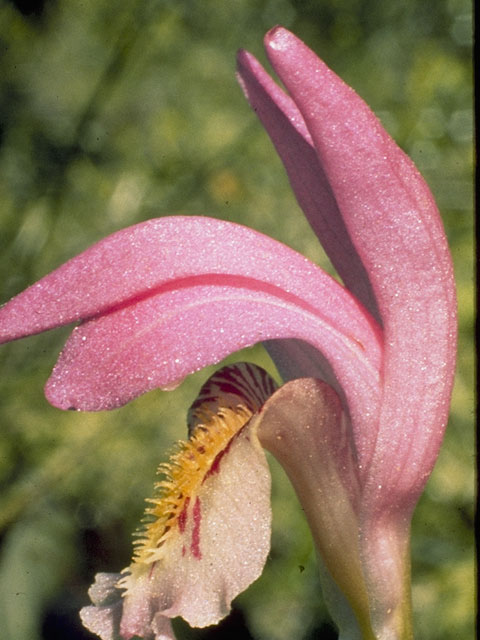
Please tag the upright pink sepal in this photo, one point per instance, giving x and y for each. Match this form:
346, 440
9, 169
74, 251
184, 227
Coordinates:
391, 219
285, 125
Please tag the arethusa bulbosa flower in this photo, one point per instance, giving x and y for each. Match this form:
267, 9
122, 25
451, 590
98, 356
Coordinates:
367, 367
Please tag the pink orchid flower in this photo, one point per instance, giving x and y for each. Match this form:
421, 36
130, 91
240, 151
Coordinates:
367, 367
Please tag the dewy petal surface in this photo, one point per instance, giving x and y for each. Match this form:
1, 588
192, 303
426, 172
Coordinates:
169, 296
390, 220
161, 254
285, 125
111, 359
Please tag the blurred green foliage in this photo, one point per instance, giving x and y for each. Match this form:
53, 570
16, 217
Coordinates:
112, 113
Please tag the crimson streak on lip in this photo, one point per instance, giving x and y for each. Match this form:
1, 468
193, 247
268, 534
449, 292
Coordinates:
182, 524
197, 517
215, 468
182, 518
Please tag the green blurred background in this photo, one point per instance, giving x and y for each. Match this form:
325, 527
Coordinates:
115, 112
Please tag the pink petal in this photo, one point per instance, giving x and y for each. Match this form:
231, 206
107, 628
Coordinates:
285, 125
157, 255
176, 294
392, 220
113, 358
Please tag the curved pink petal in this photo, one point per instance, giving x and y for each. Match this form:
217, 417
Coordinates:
169, 296
394, 225
156, 342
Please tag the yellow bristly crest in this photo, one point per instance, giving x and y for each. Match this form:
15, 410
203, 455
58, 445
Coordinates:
183, 476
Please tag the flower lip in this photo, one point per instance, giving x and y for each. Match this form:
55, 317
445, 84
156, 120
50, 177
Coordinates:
195, 461
208, 531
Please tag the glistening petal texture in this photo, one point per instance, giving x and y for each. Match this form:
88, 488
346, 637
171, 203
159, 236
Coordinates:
103, 618
159, 340
206, 532
234, 520
395, 227
136, 262
285, 125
